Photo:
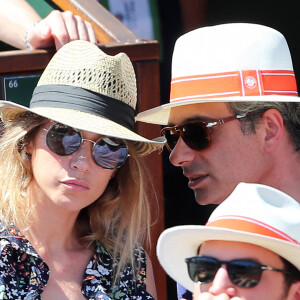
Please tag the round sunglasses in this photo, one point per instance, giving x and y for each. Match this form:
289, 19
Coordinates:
195, 133
108, 152
243, 273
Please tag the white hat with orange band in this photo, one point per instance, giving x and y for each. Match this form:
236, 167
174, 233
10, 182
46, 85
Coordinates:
227, 63
253, 213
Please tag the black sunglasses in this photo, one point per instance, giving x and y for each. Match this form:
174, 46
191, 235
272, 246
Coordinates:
108, 152
195, 133
243, 273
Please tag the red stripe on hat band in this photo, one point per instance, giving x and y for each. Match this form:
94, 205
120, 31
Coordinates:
239, 83
250, 226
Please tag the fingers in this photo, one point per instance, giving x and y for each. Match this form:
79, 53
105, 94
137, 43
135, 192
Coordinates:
91, 32
59, 28
209, 296
56, 20
84, 30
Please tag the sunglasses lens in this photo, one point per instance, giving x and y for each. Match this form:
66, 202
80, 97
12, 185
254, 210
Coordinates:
110, 153
202, 269
63, 140
195, 136
244, 273
171, 137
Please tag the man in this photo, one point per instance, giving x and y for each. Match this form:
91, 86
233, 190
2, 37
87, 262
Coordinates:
233, 111
211, 67
249, 249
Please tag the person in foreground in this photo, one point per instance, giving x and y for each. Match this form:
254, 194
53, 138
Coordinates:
249, 248
71, 181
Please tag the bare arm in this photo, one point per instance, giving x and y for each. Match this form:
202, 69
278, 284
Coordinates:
57, 29
151, 288
15, 17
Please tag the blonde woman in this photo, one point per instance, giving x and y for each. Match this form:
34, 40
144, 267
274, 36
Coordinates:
74, 212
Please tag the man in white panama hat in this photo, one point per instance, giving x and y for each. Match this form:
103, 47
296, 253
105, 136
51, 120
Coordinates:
249, 248
234, 111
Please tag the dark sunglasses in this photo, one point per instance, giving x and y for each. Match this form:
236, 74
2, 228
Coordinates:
243, 273
195, 133
108, 152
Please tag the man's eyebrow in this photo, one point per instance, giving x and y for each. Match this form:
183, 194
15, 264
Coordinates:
194, 118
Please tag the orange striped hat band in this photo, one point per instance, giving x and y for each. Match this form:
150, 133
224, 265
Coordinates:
238, 83
250, 226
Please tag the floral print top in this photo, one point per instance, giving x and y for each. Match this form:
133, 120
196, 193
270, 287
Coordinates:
24, 275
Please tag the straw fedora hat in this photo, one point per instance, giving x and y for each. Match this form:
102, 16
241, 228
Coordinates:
253, 213
227, 63
85, 88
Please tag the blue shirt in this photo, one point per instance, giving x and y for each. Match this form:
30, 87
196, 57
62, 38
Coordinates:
183, 293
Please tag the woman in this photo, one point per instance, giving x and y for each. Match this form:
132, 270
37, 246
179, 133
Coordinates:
74, 212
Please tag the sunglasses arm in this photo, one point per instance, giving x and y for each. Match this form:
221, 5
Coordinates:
222, 121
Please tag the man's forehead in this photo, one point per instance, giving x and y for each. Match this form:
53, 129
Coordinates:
199, 111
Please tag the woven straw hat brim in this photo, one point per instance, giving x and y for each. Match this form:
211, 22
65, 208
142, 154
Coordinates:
177, 243
160, 114
85, 121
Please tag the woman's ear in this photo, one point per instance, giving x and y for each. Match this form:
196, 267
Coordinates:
28, 148
274, 128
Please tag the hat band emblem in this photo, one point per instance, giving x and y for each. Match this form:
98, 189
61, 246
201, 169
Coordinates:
250, 82
250, 226
230, 84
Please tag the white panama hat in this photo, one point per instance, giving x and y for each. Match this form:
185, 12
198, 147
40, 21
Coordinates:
253, 213
85, 88
228, 63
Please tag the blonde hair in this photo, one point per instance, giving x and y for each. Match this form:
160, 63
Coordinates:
15, 169
119, 218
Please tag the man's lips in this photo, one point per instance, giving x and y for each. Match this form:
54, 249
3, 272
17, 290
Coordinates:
195, 180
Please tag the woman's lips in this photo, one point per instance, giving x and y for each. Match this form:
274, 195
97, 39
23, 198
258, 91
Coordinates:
76, 184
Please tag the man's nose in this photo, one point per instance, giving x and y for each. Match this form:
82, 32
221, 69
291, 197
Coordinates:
181, 154
222, 283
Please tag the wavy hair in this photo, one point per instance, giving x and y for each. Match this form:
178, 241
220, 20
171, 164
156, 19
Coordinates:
290, 112
120, 218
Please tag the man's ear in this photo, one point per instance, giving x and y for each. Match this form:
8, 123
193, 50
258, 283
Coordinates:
274, 128
294, 291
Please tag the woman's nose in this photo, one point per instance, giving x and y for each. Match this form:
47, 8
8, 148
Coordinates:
82, 158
